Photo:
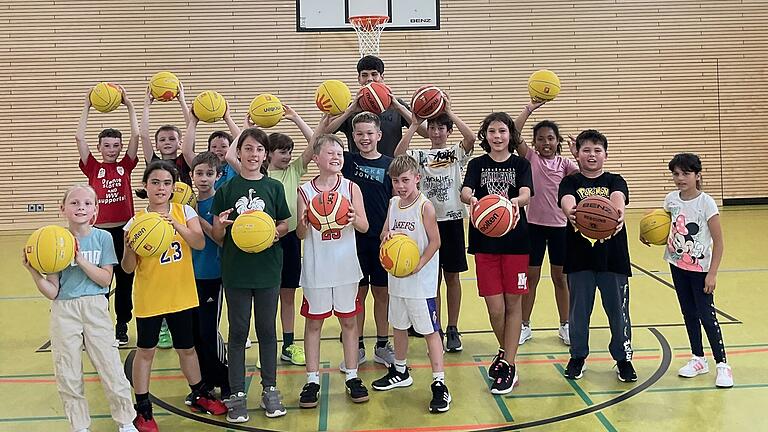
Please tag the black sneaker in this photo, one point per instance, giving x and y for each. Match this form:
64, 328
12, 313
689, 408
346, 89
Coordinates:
625, 371
453, 340
308, 396
575, 368
413, 333
493, 369
441, 399
121, 333
506, 380
393, 379
356, 390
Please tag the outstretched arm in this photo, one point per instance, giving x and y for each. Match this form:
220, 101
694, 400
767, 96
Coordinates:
146, 142
522, 148
133, 143
467, 136
405, 141
188, 141
82, 126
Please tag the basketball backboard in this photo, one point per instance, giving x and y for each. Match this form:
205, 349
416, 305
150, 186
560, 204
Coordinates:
333, 15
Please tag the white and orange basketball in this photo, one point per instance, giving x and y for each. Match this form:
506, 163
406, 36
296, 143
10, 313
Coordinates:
328, 211
428, 102
493, 215
374, 97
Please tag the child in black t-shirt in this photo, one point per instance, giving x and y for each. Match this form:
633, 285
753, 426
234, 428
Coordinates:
602, 264
501, 263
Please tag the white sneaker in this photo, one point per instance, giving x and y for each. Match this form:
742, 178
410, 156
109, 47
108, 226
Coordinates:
724, 376
360, 360
525, 333
127, 428
564, 335
695, 366
248, 343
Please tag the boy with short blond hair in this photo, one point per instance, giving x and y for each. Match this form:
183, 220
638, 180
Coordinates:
111, 179
412, 298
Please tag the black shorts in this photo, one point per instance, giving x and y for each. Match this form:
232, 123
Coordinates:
453, 251
549, 238
291, 260
368, 255
180, 324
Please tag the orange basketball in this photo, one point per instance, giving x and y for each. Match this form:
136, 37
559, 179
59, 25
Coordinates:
375, 97
493, 215
328, 211
596, 217
428, 102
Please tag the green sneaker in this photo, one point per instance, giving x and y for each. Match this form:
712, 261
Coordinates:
165, 341
294, 354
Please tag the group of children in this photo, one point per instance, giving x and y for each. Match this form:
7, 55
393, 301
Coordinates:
422, 193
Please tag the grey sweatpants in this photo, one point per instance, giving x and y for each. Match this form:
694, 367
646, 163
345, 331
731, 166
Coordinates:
614, 292
264, 302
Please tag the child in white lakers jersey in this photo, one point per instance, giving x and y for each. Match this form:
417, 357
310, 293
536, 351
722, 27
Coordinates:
328, 277
412, 298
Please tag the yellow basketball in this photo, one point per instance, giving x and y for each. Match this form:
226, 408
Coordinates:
266, 110
654, 227
333, 97
543, 85
253, 232
150, 235
105, 97
50, 249
183, 194
209, 106
164, 86
399, 255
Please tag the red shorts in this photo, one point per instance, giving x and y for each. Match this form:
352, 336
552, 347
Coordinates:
501, 274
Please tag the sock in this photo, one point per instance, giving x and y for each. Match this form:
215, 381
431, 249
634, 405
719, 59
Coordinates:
400, 365
140, 397
564, 323
526, 323
351, 373
501, 353
450, 327
287, 340
381, 341
313, 377
438, 376
361, 342
196, 388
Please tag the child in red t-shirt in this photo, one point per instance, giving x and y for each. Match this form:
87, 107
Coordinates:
111, 179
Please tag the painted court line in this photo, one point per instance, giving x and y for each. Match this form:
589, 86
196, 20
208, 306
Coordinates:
586, 399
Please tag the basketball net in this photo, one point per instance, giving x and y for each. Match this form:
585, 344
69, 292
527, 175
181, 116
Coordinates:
368, 29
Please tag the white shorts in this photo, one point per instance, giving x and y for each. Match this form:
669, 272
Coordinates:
416, 312
319, 303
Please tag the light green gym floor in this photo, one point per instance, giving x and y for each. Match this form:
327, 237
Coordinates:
544, 400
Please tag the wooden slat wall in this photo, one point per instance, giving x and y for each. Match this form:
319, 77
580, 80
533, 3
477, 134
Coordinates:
657, 77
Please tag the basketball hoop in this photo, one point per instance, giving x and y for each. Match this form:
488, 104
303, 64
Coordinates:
368, 29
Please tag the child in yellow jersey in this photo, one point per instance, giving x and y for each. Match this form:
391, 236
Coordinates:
164, 288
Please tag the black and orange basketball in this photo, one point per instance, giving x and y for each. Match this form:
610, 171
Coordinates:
328, 211
596, 217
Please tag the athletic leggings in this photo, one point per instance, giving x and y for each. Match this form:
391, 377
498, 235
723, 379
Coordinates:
209, 345
264, 303
123, 281
698, 310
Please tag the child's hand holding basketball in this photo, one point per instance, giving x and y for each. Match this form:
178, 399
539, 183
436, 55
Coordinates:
180, 95
248, 122
26, 264
644, 241
290, 114
351, 216
388, 236
148, 98
571, 215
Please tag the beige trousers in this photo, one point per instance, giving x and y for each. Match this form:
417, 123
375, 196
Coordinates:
86, 320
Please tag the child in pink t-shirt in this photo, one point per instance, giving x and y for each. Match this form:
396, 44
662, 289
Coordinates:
546, 222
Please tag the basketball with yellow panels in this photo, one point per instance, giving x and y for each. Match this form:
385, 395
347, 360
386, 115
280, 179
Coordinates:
209, 106
543, 85
655, 226
253, 232
164, 86
399, 255
332, 97
105, 97
266, 110
150, 235
183, 194
50, 249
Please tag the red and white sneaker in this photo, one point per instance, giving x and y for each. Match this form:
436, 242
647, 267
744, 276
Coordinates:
144, 424
695, 366
724, 376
